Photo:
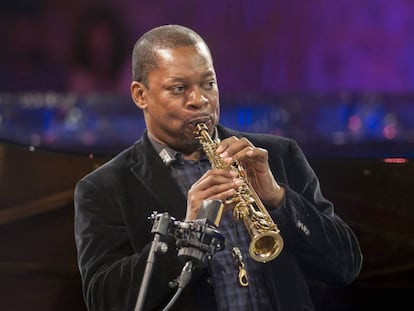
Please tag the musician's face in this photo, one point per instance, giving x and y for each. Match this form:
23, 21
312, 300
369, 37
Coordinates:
181, 91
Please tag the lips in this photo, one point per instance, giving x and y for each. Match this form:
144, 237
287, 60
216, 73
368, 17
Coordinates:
192, 123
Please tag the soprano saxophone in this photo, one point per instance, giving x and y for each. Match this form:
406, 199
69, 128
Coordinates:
266, 242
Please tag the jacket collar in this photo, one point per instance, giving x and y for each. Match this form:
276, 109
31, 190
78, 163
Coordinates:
150, 170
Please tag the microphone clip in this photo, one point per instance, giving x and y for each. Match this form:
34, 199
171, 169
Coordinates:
197, 240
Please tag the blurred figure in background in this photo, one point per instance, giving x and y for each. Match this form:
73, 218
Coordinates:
99, 61
25, 65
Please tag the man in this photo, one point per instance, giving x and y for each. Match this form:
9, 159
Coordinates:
175, 85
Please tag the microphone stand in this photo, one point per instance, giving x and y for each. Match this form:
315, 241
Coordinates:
160, 228
196, 241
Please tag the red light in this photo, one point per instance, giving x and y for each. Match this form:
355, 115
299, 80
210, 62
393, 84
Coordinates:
396, 160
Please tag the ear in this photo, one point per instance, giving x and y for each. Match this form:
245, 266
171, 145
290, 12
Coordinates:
138, 94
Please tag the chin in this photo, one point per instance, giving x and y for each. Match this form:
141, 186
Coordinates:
191, 147
188, 144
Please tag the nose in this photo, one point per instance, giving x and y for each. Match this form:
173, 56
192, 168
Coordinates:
197, 99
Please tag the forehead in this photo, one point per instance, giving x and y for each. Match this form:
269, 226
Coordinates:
194, 55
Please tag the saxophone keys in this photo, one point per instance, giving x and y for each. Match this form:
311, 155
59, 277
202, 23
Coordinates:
229, 200
240, 212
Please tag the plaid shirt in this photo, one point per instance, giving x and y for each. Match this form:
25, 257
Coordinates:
223, 266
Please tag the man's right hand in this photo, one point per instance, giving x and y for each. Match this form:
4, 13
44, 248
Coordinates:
214, 184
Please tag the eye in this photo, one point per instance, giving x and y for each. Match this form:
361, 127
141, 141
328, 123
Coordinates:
179, 89
209, 85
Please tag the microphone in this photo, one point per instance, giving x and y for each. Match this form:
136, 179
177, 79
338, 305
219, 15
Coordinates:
202, 240
211, 211
166, 157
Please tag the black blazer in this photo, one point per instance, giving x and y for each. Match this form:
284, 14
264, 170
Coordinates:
113, 233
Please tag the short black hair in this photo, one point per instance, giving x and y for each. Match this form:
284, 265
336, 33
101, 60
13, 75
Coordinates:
144, 56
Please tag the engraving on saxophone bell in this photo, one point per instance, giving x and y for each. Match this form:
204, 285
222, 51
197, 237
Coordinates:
266, 242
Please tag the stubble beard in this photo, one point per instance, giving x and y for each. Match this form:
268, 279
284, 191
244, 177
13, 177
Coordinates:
188, 144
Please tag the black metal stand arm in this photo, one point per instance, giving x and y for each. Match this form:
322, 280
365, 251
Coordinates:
160, 228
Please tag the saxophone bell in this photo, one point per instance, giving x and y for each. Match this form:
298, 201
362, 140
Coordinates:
266, 246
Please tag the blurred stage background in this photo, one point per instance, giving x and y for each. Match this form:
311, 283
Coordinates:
336, 76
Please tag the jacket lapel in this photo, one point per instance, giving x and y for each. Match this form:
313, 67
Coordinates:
154, 175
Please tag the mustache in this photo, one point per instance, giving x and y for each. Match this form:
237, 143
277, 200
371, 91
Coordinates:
199, 118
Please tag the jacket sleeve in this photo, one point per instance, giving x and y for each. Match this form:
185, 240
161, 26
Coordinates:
110, 268
324, 244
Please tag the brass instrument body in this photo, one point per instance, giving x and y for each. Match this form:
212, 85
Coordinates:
266, 242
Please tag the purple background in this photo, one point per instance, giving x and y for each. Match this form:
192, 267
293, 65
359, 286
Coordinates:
260, 47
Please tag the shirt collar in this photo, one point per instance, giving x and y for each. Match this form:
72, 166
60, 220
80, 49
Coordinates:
167, 154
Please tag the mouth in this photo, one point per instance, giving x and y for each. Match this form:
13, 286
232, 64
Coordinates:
192, 123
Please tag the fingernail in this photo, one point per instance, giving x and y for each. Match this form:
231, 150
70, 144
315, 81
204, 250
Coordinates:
224, 154
237, 181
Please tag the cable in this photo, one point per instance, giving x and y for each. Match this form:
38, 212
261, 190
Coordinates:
184, 279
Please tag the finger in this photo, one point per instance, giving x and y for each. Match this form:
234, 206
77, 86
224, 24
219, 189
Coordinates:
222, 192
255, 155
215, 176
214, 185
226, 144
242, 150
